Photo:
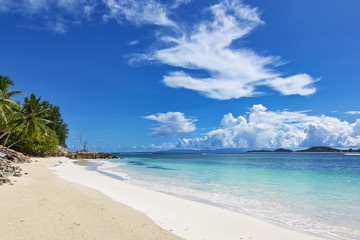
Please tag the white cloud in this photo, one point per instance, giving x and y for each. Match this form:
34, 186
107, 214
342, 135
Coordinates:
138, 11
263, 128
297, 84
177, 3
6, 5
171, 124
68, 4
57, 26
88, 10
233, 73
35, 6
46, 13
353, 112
134, 42
54, 15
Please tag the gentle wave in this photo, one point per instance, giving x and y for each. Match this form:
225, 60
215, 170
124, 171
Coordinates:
111, 168
252, 207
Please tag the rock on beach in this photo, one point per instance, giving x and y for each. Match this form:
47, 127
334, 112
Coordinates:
7, 158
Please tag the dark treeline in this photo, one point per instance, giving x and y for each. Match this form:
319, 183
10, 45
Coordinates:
33, 126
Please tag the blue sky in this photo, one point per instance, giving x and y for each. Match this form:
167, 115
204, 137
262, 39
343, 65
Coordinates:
147, 75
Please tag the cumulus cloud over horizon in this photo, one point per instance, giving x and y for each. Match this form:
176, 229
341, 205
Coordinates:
233, 73
171, 124
262, 128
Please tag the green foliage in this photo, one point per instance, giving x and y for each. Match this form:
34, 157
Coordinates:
57, 123
6, 103
32, 128
38, 145
33, 116
5, 84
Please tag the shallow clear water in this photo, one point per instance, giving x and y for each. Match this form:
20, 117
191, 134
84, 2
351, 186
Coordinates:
315, 192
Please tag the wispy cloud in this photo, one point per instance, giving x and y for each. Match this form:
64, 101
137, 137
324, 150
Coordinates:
57, 26
138, 11
54, 15
171, 124
263, 128
58, 15
177, 3
134, 42
232, 73
353, 112
6, 5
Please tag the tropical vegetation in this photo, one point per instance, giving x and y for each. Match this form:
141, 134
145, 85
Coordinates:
33, 126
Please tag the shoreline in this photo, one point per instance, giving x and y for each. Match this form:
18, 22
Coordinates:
185, 218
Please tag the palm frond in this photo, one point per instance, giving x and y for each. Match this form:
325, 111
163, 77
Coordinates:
2, 115
44, 121
13, 93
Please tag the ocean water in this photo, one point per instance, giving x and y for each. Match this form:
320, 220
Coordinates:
313, 192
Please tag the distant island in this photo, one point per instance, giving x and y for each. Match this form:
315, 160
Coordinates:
322, 149
312, 149
265, 151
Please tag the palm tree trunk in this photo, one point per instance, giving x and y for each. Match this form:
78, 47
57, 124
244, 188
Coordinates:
2, 135
6, 139
11, 130
21, 139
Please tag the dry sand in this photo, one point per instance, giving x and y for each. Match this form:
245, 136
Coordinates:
43, 206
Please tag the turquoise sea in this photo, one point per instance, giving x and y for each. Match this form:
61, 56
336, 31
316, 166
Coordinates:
312, 192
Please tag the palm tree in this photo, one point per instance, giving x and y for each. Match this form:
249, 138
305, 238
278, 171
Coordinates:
32, 115
6, 103
5, 84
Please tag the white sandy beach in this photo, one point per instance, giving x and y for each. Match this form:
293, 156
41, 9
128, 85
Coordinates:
187, 219
42, 206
